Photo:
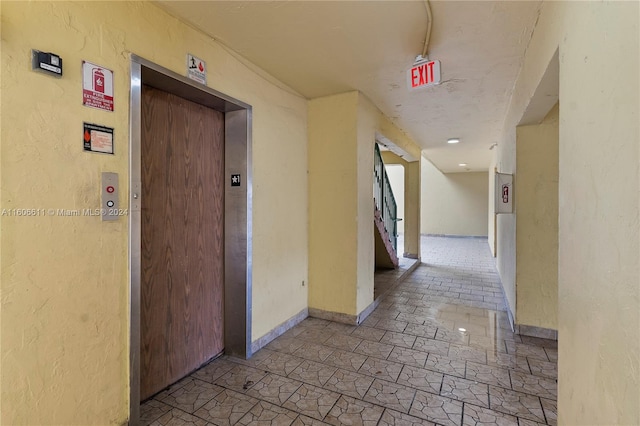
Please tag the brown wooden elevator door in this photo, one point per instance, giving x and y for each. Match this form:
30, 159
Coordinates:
182, 238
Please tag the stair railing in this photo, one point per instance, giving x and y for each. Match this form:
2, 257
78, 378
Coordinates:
384, 200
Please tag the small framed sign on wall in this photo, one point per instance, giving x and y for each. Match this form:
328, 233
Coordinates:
504, 193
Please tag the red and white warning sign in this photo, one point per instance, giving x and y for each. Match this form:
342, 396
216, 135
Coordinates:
97, 86
196, 69
504, 193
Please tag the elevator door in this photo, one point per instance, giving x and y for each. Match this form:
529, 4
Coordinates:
182, 259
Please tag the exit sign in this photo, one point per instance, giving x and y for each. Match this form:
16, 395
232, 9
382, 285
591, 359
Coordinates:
424, 74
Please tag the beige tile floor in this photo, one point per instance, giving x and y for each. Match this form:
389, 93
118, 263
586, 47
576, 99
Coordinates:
437, 350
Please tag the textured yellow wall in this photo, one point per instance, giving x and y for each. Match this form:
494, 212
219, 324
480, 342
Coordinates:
453, 203
599, 235
413, 207
333, 212
543, 44
536, 206
64, 289
368, 116
397, 136
342, 131
599, 183
371, 121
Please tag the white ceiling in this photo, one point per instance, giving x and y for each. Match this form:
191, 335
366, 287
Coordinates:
320, 48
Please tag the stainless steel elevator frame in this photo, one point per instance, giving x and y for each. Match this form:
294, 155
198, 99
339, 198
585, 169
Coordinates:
237, 211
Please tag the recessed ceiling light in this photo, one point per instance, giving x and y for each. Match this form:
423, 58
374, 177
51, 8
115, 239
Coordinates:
453, 140
462, 164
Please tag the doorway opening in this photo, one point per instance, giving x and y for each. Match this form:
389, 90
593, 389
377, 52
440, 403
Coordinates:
396, 179
535, 309
184, 187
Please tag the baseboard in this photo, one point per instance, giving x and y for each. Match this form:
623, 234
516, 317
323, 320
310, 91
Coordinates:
532, 331
344, 318
410, 269
334, 316
528, 330
368, 310
512, 320
481, 237
358, 319
279, 330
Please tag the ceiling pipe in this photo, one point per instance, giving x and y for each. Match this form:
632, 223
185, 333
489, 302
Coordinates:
427, 37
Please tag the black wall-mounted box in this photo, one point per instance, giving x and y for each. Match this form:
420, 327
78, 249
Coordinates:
48, 63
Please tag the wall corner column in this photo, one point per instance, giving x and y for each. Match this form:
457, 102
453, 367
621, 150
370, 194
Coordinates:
412, 210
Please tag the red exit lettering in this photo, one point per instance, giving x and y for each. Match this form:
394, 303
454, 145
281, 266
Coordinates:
424, 74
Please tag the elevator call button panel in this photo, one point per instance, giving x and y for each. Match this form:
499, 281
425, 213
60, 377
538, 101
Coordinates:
110, 205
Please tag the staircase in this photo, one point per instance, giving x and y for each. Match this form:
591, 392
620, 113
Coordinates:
385, 216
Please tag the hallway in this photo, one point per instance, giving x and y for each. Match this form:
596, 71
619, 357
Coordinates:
408, 363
